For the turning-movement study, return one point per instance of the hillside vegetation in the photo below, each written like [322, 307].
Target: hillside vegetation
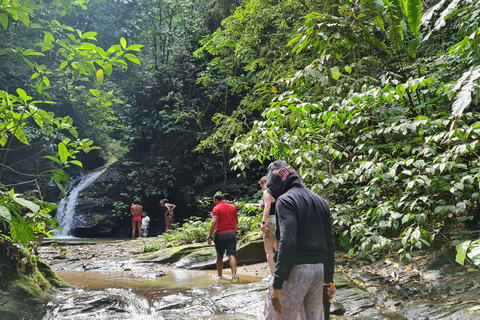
[374, 102]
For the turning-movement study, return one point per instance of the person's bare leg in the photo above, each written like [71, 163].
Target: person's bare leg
[139, 227]
[269, 245]
[233, 264]
[134, 225]
[219, 265]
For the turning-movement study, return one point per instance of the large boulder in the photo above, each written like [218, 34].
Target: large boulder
[201, 256]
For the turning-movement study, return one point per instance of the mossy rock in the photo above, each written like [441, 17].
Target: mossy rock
[25, 280]
[174, 254]
[202, 256]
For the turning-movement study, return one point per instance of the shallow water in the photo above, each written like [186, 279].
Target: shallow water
[140, 282]
[181, 294]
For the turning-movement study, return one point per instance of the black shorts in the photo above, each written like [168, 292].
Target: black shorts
[226, 241]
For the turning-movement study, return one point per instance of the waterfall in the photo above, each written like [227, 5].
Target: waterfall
[66, 206]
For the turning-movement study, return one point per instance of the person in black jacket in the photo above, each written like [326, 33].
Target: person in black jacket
[306, 250]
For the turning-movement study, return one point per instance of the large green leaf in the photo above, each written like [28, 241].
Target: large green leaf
[462, 249]
[4, 20]
[63, 152]
[22, 231]
[32, 206]
[5, 214]
[474, 253]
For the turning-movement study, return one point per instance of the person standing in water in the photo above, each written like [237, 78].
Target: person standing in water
[136, 210]
[169, 216]
[224, 222]
[145, 224]
[268, 227]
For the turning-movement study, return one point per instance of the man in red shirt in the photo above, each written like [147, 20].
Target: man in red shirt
[224, 221]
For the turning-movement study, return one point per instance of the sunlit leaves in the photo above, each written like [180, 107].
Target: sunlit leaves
[63, 152]
[89, 35]
[5, 214]
[135, 47]
[440, 22]
[100, 77]
[17, 11]
[132, 58]
[468, 248]
[465, 84]
[4, 20]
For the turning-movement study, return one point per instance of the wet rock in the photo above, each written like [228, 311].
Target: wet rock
[201, 256]
[3, 300]
[160, 274]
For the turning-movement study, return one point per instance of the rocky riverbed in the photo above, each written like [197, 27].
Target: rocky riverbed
[430, 286]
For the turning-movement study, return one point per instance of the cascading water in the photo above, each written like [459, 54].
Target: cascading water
[66, 207]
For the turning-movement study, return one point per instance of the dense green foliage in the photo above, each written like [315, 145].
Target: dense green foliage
[68, 69]
[375, 104]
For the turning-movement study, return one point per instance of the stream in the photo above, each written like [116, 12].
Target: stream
[106, 281]
[182, 294]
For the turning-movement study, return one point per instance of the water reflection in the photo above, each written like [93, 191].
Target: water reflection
[181, 294]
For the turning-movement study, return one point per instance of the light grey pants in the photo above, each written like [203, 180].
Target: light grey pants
[302, 295]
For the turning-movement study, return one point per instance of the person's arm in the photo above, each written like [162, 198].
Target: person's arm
[213, 226]
[286, 250]
[329, 264]
[148, 223]
[170, 208]
[267, 203]
[287, 245]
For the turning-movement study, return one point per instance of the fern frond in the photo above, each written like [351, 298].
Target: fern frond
[395, 31]
[414, 13]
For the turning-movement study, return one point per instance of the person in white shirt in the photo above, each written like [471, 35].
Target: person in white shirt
[145, 224]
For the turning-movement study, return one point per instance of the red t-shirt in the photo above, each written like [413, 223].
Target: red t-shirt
[227, 217]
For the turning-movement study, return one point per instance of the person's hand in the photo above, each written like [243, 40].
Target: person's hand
[277, 300]
[209, 241]
[331, 290]
[264, 228]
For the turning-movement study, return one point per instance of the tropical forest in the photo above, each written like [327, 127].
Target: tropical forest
[374, 103]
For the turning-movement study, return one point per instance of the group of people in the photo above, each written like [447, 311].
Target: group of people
[141, 221]
[298, 241]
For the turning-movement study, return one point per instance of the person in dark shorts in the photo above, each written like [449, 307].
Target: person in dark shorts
[224, 223]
